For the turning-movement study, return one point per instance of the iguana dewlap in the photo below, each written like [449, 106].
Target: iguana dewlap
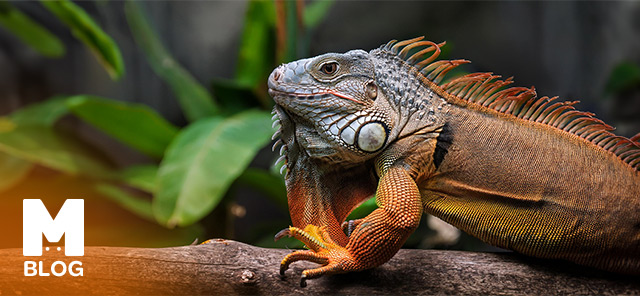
[524, 173]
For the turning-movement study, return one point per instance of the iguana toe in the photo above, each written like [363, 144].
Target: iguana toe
[333, 257]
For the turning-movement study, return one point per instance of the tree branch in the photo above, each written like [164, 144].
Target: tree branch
[228, 267]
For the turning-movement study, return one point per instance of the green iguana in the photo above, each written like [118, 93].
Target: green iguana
[519, 172]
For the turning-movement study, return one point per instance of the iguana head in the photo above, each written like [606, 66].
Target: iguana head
[337, 113]
[333, 99]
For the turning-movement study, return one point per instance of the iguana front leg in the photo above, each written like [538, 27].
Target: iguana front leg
[376, 238]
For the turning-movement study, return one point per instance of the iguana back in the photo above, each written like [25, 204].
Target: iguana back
[520, 172]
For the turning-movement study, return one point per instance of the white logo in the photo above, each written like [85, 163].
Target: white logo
[37, 221]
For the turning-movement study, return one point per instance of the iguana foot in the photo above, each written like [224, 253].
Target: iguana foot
[333, 257]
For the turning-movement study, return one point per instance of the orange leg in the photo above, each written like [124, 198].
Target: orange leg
[375, 239]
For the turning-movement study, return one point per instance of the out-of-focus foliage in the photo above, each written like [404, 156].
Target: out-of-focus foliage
[202, 162]
[314, 13]
[142, 177]
[29, 134]
[195, 100]
[86, 30]
[269, 183]
[13, 169]
[624, 76]
[192, 168]
[134, 204]
[136, 125]
[30, 32]
[256, 54]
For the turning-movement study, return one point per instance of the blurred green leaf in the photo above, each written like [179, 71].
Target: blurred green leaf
[44, 113]
[291, 41]
[30, 32]
[134, 204]
[142, 177]
[234, 97]
[256, 55]
[44, 146]
[86, 30]
[623, 77]
[363, 209]
[196, 102]
[203, 160]
[315, 12]
[272, 186]
[12, 170]
[133, 124]
[28, 134]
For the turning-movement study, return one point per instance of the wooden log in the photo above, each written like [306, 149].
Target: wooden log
[229, 267]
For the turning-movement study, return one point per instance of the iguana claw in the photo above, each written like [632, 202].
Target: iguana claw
[281, 234]
[323, 250]
[349, 226]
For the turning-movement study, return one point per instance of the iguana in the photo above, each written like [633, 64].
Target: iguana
[519, 172]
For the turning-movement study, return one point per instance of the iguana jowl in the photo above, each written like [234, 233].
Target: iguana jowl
[524, 173]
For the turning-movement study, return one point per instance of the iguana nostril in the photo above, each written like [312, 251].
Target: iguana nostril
[275, 78]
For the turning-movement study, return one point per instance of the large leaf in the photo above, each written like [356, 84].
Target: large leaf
[30, 32]
[256, 55]
[44, 146]
[142, 177]
[86, 30]
[202, 161]
[136, 205]
[27, 136]
[12, 170]
[133, 124]
[196, 102]
[44, 113]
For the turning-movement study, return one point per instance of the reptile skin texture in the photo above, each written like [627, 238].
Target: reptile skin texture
[521, 172]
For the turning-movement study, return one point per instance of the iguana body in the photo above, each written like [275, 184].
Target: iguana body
[517, 171]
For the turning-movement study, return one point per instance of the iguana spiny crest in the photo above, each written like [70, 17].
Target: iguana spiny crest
[362, 101]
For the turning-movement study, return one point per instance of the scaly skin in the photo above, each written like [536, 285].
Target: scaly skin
[517, 171]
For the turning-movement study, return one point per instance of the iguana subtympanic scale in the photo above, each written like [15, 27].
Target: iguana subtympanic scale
[520, 172]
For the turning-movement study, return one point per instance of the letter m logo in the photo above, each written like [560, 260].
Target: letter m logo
[36, 221]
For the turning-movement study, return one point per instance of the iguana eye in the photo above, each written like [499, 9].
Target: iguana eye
[329, 68]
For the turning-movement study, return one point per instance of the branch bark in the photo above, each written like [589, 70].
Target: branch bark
[229, 267]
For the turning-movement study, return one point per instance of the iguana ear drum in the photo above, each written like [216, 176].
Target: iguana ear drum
[372, 90]
[372, 136]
